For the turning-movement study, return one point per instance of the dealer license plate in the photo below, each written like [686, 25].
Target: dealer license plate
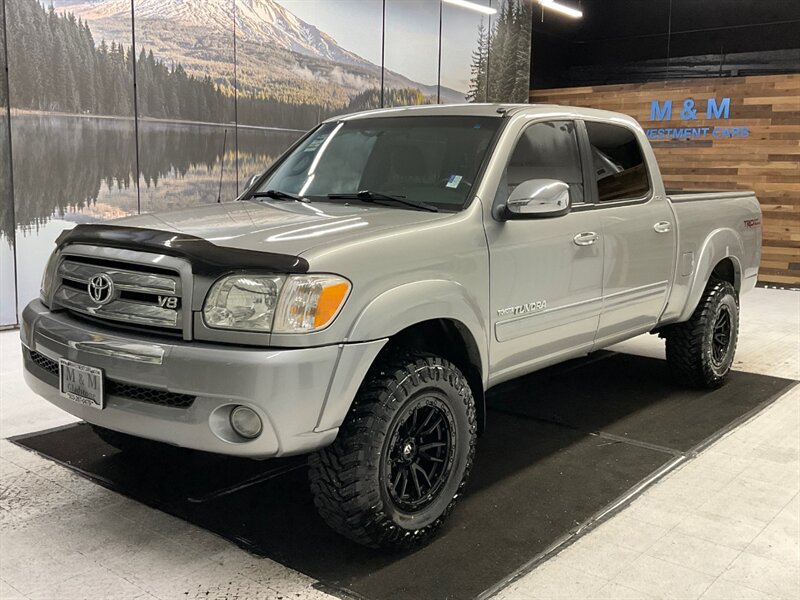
[81, 383]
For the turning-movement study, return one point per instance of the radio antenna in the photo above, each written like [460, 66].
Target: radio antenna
[222, 165]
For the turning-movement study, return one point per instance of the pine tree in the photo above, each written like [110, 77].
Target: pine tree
[508, 72]
[478, 69]
[522, 54]
[508, 50]
[56, 91]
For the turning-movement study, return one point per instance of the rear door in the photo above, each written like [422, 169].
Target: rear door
[638, 230]
[546, 274]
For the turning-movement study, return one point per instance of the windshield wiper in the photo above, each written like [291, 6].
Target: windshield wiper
[370, 196]
[277, 195]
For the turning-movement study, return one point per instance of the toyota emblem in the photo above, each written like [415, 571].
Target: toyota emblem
[101, 288]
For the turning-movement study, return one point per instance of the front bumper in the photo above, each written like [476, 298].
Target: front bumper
[301, 395]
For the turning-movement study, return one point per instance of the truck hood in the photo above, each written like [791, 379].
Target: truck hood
[282, 227]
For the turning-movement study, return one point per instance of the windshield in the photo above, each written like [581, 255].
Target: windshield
[432, 160]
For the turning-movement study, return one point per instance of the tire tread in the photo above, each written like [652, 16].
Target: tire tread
[338, 473]
[684, 341]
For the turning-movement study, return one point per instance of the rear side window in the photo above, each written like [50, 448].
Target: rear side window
[618, 162]
[548, 150]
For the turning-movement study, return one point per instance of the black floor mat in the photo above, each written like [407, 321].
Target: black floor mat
[561, 445]
[633, 397]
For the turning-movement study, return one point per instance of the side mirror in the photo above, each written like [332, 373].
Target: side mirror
[252, 181]
[537, 199]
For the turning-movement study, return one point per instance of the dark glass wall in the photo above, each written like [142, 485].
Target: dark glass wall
[619, 41]
[223, 87]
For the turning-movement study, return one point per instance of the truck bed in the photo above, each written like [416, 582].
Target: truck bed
[712, 226]
[675, 195]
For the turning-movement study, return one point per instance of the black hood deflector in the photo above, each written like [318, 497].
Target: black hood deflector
[206, 258]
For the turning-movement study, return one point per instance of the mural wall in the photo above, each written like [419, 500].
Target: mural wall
[222, 87]
[8, 301]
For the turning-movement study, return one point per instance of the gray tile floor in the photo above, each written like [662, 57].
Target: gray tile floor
[725, 525]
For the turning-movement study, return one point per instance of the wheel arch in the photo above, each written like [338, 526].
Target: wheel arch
[720, 257]
[452, 340]
[728, 270]
[439, 316]
[415, 303]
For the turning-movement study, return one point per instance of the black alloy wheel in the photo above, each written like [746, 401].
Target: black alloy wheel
[420, 455]
[721, 341]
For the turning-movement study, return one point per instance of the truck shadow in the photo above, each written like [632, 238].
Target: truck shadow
[561, 444]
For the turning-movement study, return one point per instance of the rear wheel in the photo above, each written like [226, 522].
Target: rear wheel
[402, 456]
[700, 351]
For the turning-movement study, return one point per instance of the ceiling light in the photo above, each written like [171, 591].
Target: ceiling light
[472, 6]
[560, 8]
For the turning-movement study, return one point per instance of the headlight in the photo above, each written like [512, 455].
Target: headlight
[242, 302]
[294, 304]
[47, 278]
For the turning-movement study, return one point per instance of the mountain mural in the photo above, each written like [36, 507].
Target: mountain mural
[260, 21]
[279, 56]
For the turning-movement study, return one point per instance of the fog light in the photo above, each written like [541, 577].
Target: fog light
[245, 422]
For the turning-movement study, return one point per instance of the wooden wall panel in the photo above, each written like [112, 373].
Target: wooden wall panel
[768, 161]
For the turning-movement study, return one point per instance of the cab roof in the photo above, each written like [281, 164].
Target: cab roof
[497, 110]
[458, 110]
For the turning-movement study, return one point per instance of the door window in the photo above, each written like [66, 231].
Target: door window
[619, 166]
[548, 150]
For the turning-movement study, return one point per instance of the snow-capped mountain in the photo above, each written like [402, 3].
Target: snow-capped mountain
[260, 21]
[197, 33]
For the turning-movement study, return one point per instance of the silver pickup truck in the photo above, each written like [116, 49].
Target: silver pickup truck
[357, 301]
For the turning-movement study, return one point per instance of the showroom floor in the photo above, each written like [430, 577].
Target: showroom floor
[725, 524]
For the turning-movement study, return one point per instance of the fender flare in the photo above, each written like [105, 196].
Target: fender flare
[411, 303]
[720, 244]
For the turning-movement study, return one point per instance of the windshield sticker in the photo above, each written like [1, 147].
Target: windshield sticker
[453, 181]
[316, 143]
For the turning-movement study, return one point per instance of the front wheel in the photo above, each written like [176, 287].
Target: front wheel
[700, 351]
[402, 456]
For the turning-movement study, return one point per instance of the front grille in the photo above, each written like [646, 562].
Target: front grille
[124, 390]
[48, 364]
[126, 327]
[144, 394]
[124, 293]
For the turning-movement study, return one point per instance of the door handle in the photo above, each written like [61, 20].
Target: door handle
[663, 227]
[587, 238]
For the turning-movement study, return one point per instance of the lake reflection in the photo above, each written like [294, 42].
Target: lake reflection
[70, 170]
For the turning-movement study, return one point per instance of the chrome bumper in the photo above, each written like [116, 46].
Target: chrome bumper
[301, 395]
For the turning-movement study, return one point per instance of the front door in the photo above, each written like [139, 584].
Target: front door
[546, 274]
